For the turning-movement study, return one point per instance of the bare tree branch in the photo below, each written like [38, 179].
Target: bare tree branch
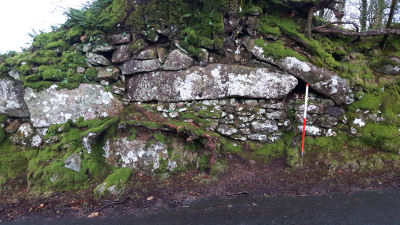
[337, 22]
[359, 34]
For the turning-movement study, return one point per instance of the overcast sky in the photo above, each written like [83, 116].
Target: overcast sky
[19, 17]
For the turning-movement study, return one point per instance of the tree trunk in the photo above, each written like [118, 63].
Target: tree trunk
[309, 22]
[363, 16]
[389, 22]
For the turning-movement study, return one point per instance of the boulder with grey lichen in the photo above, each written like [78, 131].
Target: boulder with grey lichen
[12, 98]
[321, 80]
[122, 152]
[215, 81]
[52, 106]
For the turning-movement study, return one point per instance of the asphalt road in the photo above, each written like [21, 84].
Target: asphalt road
[364, 207]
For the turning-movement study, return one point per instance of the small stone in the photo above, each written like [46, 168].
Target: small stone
[226, 130]
[147, 54]
[274, 137]
[13, 127]
[172, 106]
[251, 102]
[182, 109]
[174, 114]
[334, 111]
[327, 121]
[265, 126]
[150, 198]
[12, 98]
[118, 89]
[276, 115]
[310, 130]
[180, 105]
[103, 47]
[204, 57]
[160, 108]
[104, 83]
[23, 135]
[121, 54]
[162, 54]
[109, 73]
[237, 58]
[353, 130]
[258, 137]
[14, 74]
[80, 69]
[359, 122]
[73, 162]
[120, 38]
[83, 38]
[97, 59]
[261, 111]
[87, 47]
[89, 141]
[177, 60]
[137, 66]
[213, 126]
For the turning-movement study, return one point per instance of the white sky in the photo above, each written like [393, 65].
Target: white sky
[19, 17]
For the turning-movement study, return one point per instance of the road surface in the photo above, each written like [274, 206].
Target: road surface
[363, 207]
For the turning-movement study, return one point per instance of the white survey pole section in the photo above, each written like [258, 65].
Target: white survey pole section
[305, 103]
[304, 121]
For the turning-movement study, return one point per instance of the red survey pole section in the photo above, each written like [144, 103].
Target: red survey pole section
[304, 121]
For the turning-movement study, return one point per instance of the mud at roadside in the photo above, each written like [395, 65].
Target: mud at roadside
[150, 194]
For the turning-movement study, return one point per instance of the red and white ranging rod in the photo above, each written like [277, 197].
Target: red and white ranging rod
[304, 121]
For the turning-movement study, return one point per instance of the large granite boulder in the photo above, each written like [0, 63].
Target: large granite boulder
[138, 66]
[52, 106]
[321, 80]
[135, 154]
[177, 60]
[215, 81]
[12, 98]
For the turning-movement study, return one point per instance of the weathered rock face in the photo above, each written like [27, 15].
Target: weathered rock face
[12, 99]
[321, 80]
[53, 106]
[215, 81]
[138, 66]
[135, 154]
[177, 60]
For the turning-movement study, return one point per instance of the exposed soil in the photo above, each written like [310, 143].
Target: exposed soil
[149, 194]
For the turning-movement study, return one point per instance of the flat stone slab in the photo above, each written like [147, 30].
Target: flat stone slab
[215, 81]
[12, 98]
[52, 106]
[321, 80]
